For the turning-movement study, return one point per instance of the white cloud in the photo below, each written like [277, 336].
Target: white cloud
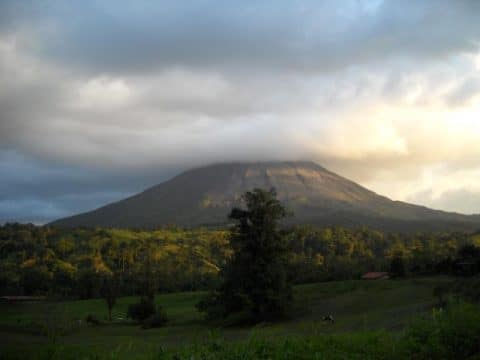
[357, 136]
[102, 93]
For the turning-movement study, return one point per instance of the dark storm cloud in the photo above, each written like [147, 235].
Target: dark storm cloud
[37, 191]
[308, 35]
[304, 35]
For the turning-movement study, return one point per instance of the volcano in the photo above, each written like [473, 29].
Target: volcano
[204, 196]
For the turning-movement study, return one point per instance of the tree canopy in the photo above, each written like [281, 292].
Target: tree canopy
[255, 280]
[69, 263]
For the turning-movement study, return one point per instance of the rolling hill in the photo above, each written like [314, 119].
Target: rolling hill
[204, 196]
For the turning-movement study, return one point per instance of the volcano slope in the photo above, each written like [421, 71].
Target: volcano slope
[204, 196]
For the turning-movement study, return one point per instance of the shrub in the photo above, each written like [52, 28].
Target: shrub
[52, 321]
[468, 288]
[142, 310]
[453, 333]
[212, 306]
[397, 266]
[156, 320]
[92, 319]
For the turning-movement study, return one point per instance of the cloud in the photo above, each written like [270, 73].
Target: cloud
[100, 100]
[38, 191]
[306, 35]
[465, 92]
[462, 201]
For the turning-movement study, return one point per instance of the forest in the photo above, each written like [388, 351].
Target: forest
[69, 263]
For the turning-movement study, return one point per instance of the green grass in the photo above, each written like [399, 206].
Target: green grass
[357, 306]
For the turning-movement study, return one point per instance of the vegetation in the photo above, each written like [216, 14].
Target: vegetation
[142, 310]
[252, 265]
[397, 266]
[255, 280]
[70, 263]
[374, 320]
[109, 292]
[157, 319]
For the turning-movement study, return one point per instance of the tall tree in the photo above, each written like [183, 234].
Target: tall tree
[148, 278]
[109, 291]
[397, 266]
[255, 279]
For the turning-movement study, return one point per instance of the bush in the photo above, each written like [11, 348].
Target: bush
[468, 288]
[450, 333]
[52, 321]
[142, 310]
[212, 306]
[156, 320]
[92, 319]
[397, 266]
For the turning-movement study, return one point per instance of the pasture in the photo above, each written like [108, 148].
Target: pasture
[357, 306]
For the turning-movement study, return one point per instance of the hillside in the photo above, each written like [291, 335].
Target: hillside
[204, 196]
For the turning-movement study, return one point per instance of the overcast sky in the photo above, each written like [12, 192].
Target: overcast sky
[100, 99]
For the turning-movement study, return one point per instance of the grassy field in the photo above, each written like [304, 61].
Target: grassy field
[357, 306]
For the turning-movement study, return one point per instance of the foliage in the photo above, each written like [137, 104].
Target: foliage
[440, 292]
[158, 319]
[450, 333]
[469, 251]
[453, 333]
[141, 310]
[69, 263]
[361, 309]
[53, 322]
[255, 279]
[109, 292]
[92, 320]
[468, 288]
[397, 266]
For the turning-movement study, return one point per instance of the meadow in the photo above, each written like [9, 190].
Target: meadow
[365, 312]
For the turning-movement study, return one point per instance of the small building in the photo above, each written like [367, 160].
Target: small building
[376, 275]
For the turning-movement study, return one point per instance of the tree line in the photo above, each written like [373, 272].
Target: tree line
[73, 263]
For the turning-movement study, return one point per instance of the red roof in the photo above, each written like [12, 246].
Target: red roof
[375, 275]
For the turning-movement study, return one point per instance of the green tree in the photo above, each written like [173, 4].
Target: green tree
[469, 251]
[397, 266]
[148, 282]
[109, 291]
[255, 280]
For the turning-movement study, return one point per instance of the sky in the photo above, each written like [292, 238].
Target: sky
[101, 99]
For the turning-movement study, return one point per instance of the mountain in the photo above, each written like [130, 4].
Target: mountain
[204, 196]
